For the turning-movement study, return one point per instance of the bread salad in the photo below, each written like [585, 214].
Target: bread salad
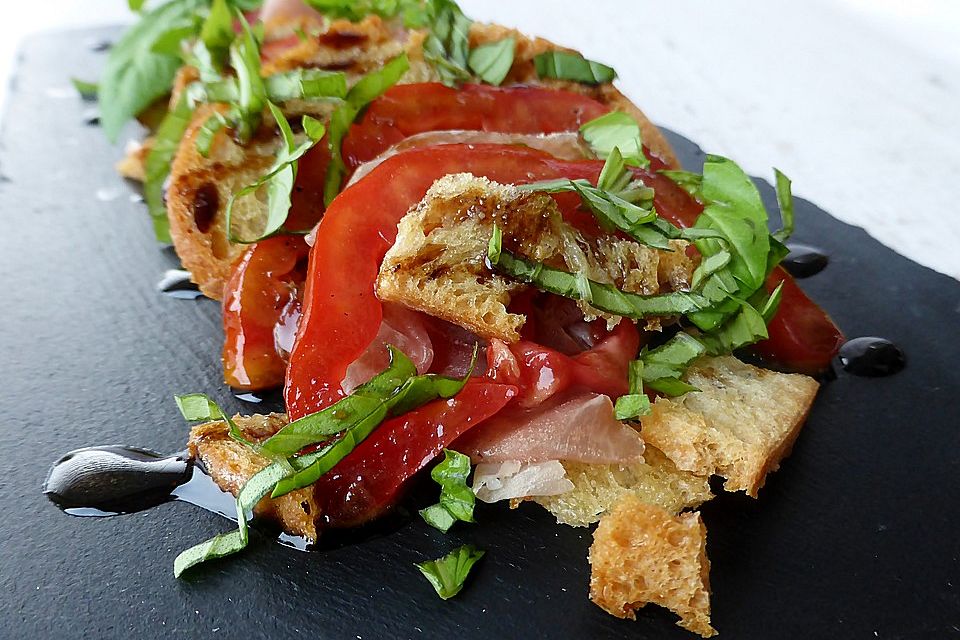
[462, 252]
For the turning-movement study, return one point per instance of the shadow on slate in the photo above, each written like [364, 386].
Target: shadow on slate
[856, 535]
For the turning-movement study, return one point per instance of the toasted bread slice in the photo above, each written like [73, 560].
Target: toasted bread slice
[355, 48]
[597, 487]
[231, 464]
[437, 263]
[641, 554]
[740, 425]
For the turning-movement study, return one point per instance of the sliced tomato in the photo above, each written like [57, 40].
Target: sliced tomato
[540, 372]
[409, 109]
[371, 477]
[261, 297]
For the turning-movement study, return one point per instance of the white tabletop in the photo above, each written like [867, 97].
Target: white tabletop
[857, 100]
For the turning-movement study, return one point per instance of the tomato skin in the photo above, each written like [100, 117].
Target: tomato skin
[409, 109]
[260, 295]
[370, 478]
[803, 338]
[540, 372]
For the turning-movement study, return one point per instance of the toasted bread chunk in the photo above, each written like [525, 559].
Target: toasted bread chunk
[437, 263]
[597, 487]
[355, 49]
[740, 425]
[641, 553]
[231, 464]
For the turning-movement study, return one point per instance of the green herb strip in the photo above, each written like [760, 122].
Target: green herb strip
[448, 574]
[616, 130]
[279, 179]
[565, 65]
[602, 296]
[157, 165]
[456, 498]
[492, 62]
[367, 89]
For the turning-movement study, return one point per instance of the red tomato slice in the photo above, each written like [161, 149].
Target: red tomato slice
[409, 109]
[341, 313]
[261, 295]
[371, 477]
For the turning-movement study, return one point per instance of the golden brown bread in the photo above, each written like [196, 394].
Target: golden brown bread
[231, 464]
[437, 263]
[597, 487]
[740, 425]
[643, 554]
[355, 48]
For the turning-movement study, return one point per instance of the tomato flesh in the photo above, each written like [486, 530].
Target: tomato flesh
[372, 476]
[409, 109]
[261, 295]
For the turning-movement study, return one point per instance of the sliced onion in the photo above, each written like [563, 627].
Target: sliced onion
[495, 481]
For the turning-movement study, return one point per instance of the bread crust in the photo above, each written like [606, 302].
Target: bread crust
[355, 49]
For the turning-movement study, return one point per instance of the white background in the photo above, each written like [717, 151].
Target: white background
[857, 100]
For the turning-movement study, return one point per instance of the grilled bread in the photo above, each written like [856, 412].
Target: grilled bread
[354, 48]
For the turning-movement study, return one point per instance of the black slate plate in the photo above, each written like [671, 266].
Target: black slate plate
[856, 536]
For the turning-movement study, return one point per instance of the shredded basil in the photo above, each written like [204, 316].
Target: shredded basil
[456, 498]
[602, 296]
[686, 180]
[492, 62]
[252, 94]
[447, 46]
[785, 201]
[196, 407]
[635, 403]
[135, 75]
[280, 178]
[448, 574]
[157, 165]
[565, 65]
[367, 89]
[664, 366]
[616, 130]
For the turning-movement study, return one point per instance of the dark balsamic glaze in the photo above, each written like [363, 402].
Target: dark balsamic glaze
[176, 284]
[113, 480]
[872, 357]
[99, 46]
[267, 397]
[804, 261]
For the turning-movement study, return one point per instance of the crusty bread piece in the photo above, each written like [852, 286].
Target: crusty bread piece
[231, 464]
[740, 425]
[641, 553]
[437, 264]
[355, 48]
[597, 487]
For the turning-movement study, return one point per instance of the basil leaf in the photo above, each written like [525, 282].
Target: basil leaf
[367, 89]
[492, 62]
[197, 407]
[304, 84]
[366, 399]
[134, 75]
[604, 297]
[785, 202]
[279, 179]
[663, 366]
[566, 65]
[355, 10]
[170, 42]
[447, 47]
[157, 165]
[415, 392]
[687, 180]
[208, 131]
[224, 544]
[87, 90]
[744, 327]
[456, 498]
[252, 98]
[616, 130]
[449, 573]
[635, 403]
[217, 32]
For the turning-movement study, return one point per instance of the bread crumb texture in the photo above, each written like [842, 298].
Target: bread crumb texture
[597, 487]
[740, 425]
[642, 554]
[437, 264]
